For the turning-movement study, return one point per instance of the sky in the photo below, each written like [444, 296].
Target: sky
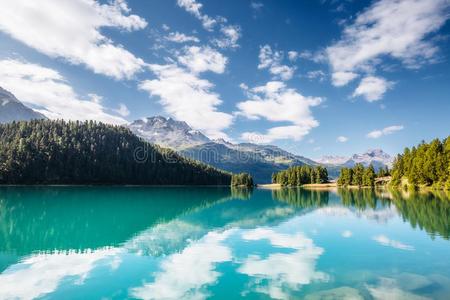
[316, 78]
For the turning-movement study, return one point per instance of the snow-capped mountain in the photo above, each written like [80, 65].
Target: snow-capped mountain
[12, 109]
[376, 157]
[259, 160]
[168, 132]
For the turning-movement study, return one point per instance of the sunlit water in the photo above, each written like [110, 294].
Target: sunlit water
[196, 243]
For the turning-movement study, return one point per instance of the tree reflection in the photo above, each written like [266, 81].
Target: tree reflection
[302, 198]
[429, 211]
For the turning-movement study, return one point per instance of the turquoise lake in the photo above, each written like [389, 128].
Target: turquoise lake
[222, 243]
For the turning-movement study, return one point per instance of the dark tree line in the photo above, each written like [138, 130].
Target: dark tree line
[299, 175]
[59, 152]
[242, 179]
[359, 176]
[428, 164]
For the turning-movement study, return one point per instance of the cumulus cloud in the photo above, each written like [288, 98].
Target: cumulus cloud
[272, 60]
[396, 28]
[49, 92]
[372, 88]
[231, 35]
[385, 131]
[385, 241]
[122, 110]
[193, 7]
[277, 103]
[399, 29]
[292, 55]
[342, 139]
[177, 37]
[342, 78]
[189, 98]
[316, 74]
[201, 59]
[71, 30]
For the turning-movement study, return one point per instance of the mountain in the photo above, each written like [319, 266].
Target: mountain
[258, 160]
[377, 157]
[236, 160]
[59, 152]
[12, 109]
[168, 132]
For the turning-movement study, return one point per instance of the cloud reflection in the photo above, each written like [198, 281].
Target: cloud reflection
[41, 274]
[184, 274]
[385, 241]
[282, 271]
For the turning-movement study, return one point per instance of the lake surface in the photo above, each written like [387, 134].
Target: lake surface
[197, 243]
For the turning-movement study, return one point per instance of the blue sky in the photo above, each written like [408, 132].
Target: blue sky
[314, 77]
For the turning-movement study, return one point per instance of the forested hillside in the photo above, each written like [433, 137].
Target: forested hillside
[428, 164]
[59, 152]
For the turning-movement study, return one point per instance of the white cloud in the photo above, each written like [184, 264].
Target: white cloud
[385, 131]
[201, 59]
[123, 110]
[316, 74]
[283, 272]
[385, 241]
[48, 91]
[342, 78]
[399, 29]
[194, 8]
[292, 55]
[178, 37]
[256, 5]
[342, 139]
[372, 88]
[277, 103]
[184, 274]
[231, 33]
[347, 234]
[189, 98]
[72, 30]
[269, 59]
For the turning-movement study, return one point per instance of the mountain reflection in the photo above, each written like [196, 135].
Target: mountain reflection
[178, 243]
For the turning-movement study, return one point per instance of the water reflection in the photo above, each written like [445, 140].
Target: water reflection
[58, 218]
[178, 243]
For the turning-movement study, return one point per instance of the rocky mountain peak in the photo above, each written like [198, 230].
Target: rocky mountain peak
[168, 132]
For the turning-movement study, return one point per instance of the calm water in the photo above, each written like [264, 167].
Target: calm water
[196, 243]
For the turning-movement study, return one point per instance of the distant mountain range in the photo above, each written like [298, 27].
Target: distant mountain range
[259, 160]
[12, 109]
[376, 157]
